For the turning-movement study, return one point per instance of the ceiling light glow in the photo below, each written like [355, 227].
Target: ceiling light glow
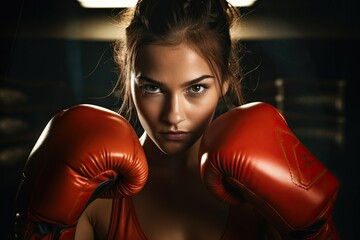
[131, 3]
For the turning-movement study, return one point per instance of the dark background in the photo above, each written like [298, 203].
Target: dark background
[301, 56]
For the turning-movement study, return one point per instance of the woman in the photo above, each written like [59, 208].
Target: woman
[178, 62]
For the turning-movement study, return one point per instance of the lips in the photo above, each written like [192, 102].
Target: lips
[175, 135]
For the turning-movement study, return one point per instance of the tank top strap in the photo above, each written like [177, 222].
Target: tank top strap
[124, 223]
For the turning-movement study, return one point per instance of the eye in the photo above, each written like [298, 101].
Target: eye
[151, 89]
[197, 89]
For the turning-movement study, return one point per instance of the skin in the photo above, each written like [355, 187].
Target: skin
[174, 90]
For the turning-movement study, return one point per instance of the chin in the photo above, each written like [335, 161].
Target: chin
[173, 149]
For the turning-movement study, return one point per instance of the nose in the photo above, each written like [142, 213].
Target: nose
[173, 112]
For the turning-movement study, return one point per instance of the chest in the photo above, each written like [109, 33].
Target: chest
[174, 208]
[179, 208]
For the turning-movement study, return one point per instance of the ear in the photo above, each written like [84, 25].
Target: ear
[225, 87]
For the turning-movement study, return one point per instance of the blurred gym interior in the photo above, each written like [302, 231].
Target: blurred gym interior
[300, 56]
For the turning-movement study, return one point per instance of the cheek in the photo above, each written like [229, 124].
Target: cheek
[147, 110]
[203, 114]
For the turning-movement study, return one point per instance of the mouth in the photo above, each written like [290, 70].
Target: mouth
[175, 135]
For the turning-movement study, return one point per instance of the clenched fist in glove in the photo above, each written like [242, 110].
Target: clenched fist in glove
[84, 152]
[250, 154]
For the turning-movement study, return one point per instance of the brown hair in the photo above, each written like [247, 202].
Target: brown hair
[202, 24]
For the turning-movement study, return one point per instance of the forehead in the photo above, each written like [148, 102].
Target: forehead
[162, 62]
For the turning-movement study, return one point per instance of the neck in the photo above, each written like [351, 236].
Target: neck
[186, 161]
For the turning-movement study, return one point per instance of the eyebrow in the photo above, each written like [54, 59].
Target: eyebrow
[188, 83]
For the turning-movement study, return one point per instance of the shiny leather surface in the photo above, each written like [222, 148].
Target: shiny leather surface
[84, 152]
[250, 153]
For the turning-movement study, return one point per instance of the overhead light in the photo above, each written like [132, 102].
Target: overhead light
[131, 3]
[107, 3]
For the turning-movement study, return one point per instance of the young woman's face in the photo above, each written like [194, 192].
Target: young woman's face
[175, 94]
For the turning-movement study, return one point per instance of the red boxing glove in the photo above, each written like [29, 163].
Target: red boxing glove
[250, 154]
[84, 152]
